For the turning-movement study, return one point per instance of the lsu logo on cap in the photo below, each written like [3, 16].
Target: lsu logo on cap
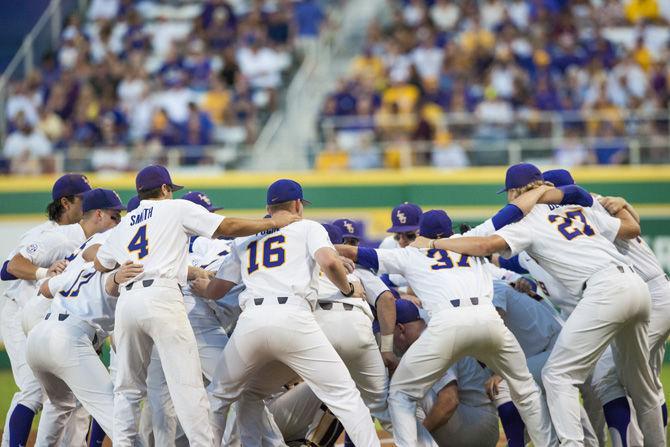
[401, 217]
[205, 199]
[349, 226]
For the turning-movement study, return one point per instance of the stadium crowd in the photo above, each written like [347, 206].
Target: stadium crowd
[449, 83]
[149, 75]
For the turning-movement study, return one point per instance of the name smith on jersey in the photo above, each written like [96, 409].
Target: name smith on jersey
[142, 216]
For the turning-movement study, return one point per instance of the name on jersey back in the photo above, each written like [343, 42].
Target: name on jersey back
[141, 216]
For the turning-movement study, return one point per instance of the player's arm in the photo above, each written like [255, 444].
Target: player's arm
[217, 288]
[238, 227]
[615, 204]
[386, 314]
[444, 408]
[4, 273]
[125, 273]
[90, 252]
[197, 272]
[329, 261]
[102, 268]
[473, 246]
[44, 289]
[566, 195]
[23, 268]
[630, 228]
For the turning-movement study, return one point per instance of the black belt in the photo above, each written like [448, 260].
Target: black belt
[145, 283]
[329, 306]
[280, 300]
[620, 268]
[456, 303]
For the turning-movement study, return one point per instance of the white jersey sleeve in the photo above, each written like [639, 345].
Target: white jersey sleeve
[317, 237]
[109, 254]
[372, 284]
[53, 245]
[606, 223]
[392, 260]
[197, 220]
[230, 269]
[485, 228]
[519, 237]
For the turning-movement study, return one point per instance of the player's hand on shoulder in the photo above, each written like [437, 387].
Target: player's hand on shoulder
[612, 204]
[413, 298]
[128, 272]
[199, 285]
[348, 264]
[421, 242]
[57, 267]
[491, 386]
[391, 361]
[523, 285]
[282, 219]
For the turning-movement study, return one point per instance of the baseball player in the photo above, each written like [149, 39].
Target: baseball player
[351, 231]
[81, 317]
[404, 227]
[457, 292]
[150, 310]
[457, 410]
[573, 244]
[206, 254]
[64, 209]
[646, 265]
[277, 324]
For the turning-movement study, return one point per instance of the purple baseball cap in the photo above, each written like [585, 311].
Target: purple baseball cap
[133, 203]
[70, 185]
[334, 233]
[520, 175]
[435, 224]
[152, 177]
[559, 177]
[406, 312]
[405, 217]
[202, 199]
[101, 199]
[349, 228]
[285, 190]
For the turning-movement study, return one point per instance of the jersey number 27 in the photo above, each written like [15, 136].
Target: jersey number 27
[139, 242]
[567, 226]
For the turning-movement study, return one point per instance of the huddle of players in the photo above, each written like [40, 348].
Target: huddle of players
[299, 311]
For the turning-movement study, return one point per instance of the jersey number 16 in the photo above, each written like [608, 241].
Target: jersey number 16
[272, 256]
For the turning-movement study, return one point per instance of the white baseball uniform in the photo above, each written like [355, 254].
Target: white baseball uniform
[209, 335]
[277, 324]
[81, 317]
[573, 244]
[456, 291]
[475, 422]
[347, 323]
[150, 311]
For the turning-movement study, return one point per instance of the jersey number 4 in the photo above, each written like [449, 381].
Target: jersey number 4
[139, 242]
[567, 225]
[272, 256]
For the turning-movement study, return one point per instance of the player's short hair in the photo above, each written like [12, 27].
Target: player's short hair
[532, 185]
[153, 193]
[284, 206]
[56, 209]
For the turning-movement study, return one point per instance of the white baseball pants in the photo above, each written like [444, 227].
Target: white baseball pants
[72, 371]
[615, 307]
[477, 331]
[350, 333]
[211, 339]
[288, 333]
[155, 316]
[659, 323]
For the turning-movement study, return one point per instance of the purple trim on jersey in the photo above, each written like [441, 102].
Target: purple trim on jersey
[512, 264]
[575, 195]
[4, 273]
[510, 213]
[367, 257]
[386, 279]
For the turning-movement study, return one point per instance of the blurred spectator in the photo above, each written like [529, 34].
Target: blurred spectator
[610, 148]
[445, 14]
[642, 10]
[571, 152]
[332, 158]
[103, 9]
[309, 17]
[27, 148]
[448, 153]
